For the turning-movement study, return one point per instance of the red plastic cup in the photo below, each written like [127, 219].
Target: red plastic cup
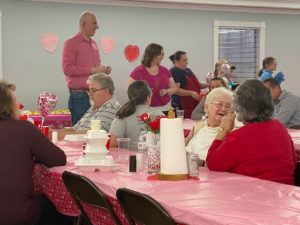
[45, 131]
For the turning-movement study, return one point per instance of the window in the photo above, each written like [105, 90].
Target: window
[242, 44]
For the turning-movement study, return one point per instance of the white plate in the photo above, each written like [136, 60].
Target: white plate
[92, 168]
[90, 165]
[74, 137]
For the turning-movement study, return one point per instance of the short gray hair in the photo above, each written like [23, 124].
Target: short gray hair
[217, 93]
[253, 102]
[85, 16]
[104, 80]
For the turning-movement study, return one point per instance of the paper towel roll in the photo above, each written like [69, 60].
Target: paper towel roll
[173, 155]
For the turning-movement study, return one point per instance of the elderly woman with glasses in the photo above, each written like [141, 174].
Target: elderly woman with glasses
[217, 105]
[262, 148]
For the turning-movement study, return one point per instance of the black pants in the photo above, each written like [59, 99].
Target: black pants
[49, 214]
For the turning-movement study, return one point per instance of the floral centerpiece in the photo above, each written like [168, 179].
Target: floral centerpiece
[153, 126]
[153, 138]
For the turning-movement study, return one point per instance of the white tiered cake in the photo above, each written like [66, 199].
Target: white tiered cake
[96, 141]
[96, 152]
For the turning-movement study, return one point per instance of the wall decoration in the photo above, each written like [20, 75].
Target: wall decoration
[131, 52]
[107, 44]
[49, 41]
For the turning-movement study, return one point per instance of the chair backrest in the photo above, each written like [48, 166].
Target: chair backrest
[142, 208]
[297, 174]
[296, 127]
[84, 190]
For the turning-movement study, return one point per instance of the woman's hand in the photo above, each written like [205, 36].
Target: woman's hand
[195, 95]
[227, 122]
[163, 92]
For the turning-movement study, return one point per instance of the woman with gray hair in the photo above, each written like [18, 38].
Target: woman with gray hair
[217, 105]
[262, 148]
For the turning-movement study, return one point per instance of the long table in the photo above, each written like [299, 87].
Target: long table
[55, 121]
[216, 198]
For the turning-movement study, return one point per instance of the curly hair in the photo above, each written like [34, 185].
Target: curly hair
[253, 102]
[217, 93]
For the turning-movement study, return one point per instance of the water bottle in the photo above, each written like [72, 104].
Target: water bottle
[143, 149]
[142, 142]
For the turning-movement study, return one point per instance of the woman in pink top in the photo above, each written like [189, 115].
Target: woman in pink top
[158, 77]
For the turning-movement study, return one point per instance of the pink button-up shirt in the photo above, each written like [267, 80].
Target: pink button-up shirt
[78, 57]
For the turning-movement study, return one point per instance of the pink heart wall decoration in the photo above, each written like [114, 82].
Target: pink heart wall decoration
[49, 41]
[131, 52]
[107, 44]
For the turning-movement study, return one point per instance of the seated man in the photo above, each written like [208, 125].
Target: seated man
[287, 105]
[103, 105]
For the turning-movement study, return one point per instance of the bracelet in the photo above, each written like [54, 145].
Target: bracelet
[223, 130]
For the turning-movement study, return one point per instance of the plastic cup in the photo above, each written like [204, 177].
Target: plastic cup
[54, 137]
[180, 113]
[45, 130]
[123, 146]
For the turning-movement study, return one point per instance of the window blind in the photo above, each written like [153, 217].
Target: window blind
[241, 48]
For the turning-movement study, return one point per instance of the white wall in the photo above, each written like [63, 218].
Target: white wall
[34, 70]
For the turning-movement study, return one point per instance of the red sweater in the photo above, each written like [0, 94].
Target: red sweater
[263, 150]
[19, 141]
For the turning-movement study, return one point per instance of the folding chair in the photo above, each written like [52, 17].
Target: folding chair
[296, 127]
[297, 174]
[83, 190]
[142, 208]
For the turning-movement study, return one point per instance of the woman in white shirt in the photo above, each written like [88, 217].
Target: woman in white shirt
[217, 105]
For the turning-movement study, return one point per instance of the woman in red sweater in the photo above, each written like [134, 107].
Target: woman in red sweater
[262, 148]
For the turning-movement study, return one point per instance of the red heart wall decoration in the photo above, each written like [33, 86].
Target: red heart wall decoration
[131, 52]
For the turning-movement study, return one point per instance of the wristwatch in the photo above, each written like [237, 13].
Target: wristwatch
[223, 130]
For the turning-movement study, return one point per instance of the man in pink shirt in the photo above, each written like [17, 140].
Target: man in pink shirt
[80, 59]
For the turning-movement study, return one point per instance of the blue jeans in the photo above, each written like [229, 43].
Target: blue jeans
[78, 105]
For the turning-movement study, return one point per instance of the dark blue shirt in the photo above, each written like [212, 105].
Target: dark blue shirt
[179, 77]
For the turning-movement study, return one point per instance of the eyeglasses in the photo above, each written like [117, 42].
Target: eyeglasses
[94, 90]
[219, 105]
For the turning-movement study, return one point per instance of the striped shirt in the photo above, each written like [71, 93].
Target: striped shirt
[105, 113]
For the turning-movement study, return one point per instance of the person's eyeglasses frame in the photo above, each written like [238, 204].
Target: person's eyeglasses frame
[94, 90]
[219, 105]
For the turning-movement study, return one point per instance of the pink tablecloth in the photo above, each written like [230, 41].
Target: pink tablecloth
[55, 121]
[217, 198]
